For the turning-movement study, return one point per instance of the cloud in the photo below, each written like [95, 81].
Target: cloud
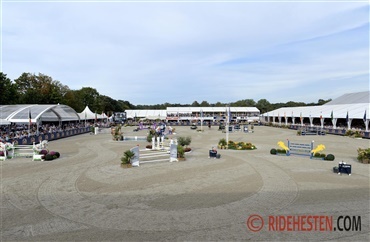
[160, 52]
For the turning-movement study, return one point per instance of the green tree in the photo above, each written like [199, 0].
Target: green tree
[264, 106]
[27, 89]
[322, 101]
[204, 104]
[244, 103]
[195, 104]
[125, 105]
[8, 90]
[108, 105]
[40, 89]
[89, 97]
[71, 98]
[219, 104]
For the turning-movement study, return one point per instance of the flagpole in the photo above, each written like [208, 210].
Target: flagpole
[201, 120]
[365, 121]
[201, 124]
[29, 120]
[227, 125]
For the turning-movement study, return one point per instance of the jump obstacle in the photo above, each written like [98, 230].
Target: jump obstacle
[304, 149]
[9, 150]
[312, 131]
[149, 156]
[136, 138]
[300, 149]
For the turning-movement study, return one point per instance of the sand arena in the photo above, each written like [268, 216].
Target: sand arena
[86, 195]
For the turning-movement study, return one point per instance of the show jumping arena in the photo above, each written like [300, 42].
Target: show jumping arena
[86, 195]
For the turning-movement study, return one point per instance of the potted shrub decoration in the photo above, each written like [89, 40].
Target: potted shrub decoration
[236, 145]
[222, 143]
[363, 155]
[180, 153]
[117, 134]
[128, 155]
[273, 151]
[184, 141]
[49, 155]
[281, 152]
[330, 157]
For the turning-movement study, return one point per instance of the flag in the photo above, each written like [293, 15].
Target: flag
[347, 119]
[365, 117]
[320, 115]
[301, 117]
[229, 115]
[85, 115]
[201, 113]
[29, 117]
[284, 115]
[332, 115]
[96, 117]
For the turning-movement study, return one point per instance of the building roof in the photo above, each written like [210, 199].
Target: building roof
[175, 110]
[162, 114]
[144, 113]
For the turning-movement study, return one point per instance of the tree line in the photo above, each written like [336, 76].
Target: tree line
[42, 89]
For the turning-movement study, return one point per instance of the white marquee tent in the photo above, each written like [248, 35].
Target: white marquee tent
[87, 114]
[348, 106]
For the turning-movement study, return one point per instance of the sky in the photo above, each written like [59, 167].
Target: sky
[152, 52]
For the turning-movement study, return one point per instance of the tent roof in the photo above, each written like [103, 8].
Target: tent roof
[351, 98]
[4, 122]
[44, 112]
[355, 104]
[88, 114]
[355, 111]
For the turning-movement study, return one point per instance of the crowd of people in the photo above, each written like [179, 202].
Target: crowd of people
[20, 131]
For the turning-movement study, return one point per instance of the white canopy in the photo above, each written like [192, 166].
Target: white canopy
[355, 105]
[4, 122]
[355, 111]
[88, 114]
